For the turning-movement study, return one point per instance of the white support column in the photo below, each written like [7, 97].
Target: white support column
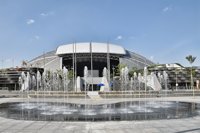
[61, 62]
[108, 65]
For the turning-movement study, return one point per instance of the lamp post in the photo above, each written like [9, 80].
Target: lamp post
[73, 79]
[176, 81]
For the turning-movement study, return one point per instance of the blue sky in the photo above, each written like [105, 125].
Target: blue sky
[164, 31]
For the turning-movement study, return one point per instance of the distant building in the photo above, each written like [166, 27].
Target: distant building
[178, 76]
[9, 77]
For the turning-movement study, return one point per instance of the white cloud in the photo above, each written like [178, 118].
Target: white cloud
[167, 8]
[43, 14]
[151, 58]
[30, 21]
[37, 37]
[119, 37]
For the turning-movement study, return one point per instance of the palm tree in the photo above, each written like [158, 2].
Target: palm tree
[191, 59]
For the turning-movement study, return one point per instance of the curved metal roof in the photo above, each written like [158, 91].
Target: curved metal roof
[131, 59]
[85, 48]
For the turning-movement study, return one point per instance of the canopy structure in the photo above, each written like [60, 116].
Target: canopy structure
[90, 47]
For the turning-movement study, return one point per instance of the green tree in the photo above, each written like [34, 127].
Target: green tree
[118, 68]
[131, 72]
[70, 74]
[191, 60]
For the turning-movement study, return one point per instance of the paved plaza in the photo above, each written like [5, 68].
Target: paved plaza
[186, 125]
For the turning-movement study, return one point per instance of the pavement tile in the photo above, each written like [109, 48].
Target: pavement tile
[48, 131]
[10, 131]
[115, 131]
[7, 126]
[35, 126]
[167, 130]
[151, 130]
[63, 131]
[82, 131]
[98, 131]
[21, 125]
[98, 126]
[27, 131]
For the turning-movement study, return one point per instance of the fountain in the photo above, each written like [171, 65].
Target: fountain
[65, 82]
[143, 110]
[105, 85]
[59, 106]
[165, 76]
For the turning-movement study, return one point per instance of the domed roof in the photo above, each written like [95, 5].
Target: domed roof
[85, 48]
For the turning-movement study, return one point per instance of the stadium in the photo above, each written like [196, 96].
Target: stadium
[95, 56]
[83, 53]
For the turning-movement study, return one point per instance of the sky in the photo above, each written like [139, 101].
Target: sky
[164, 31]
